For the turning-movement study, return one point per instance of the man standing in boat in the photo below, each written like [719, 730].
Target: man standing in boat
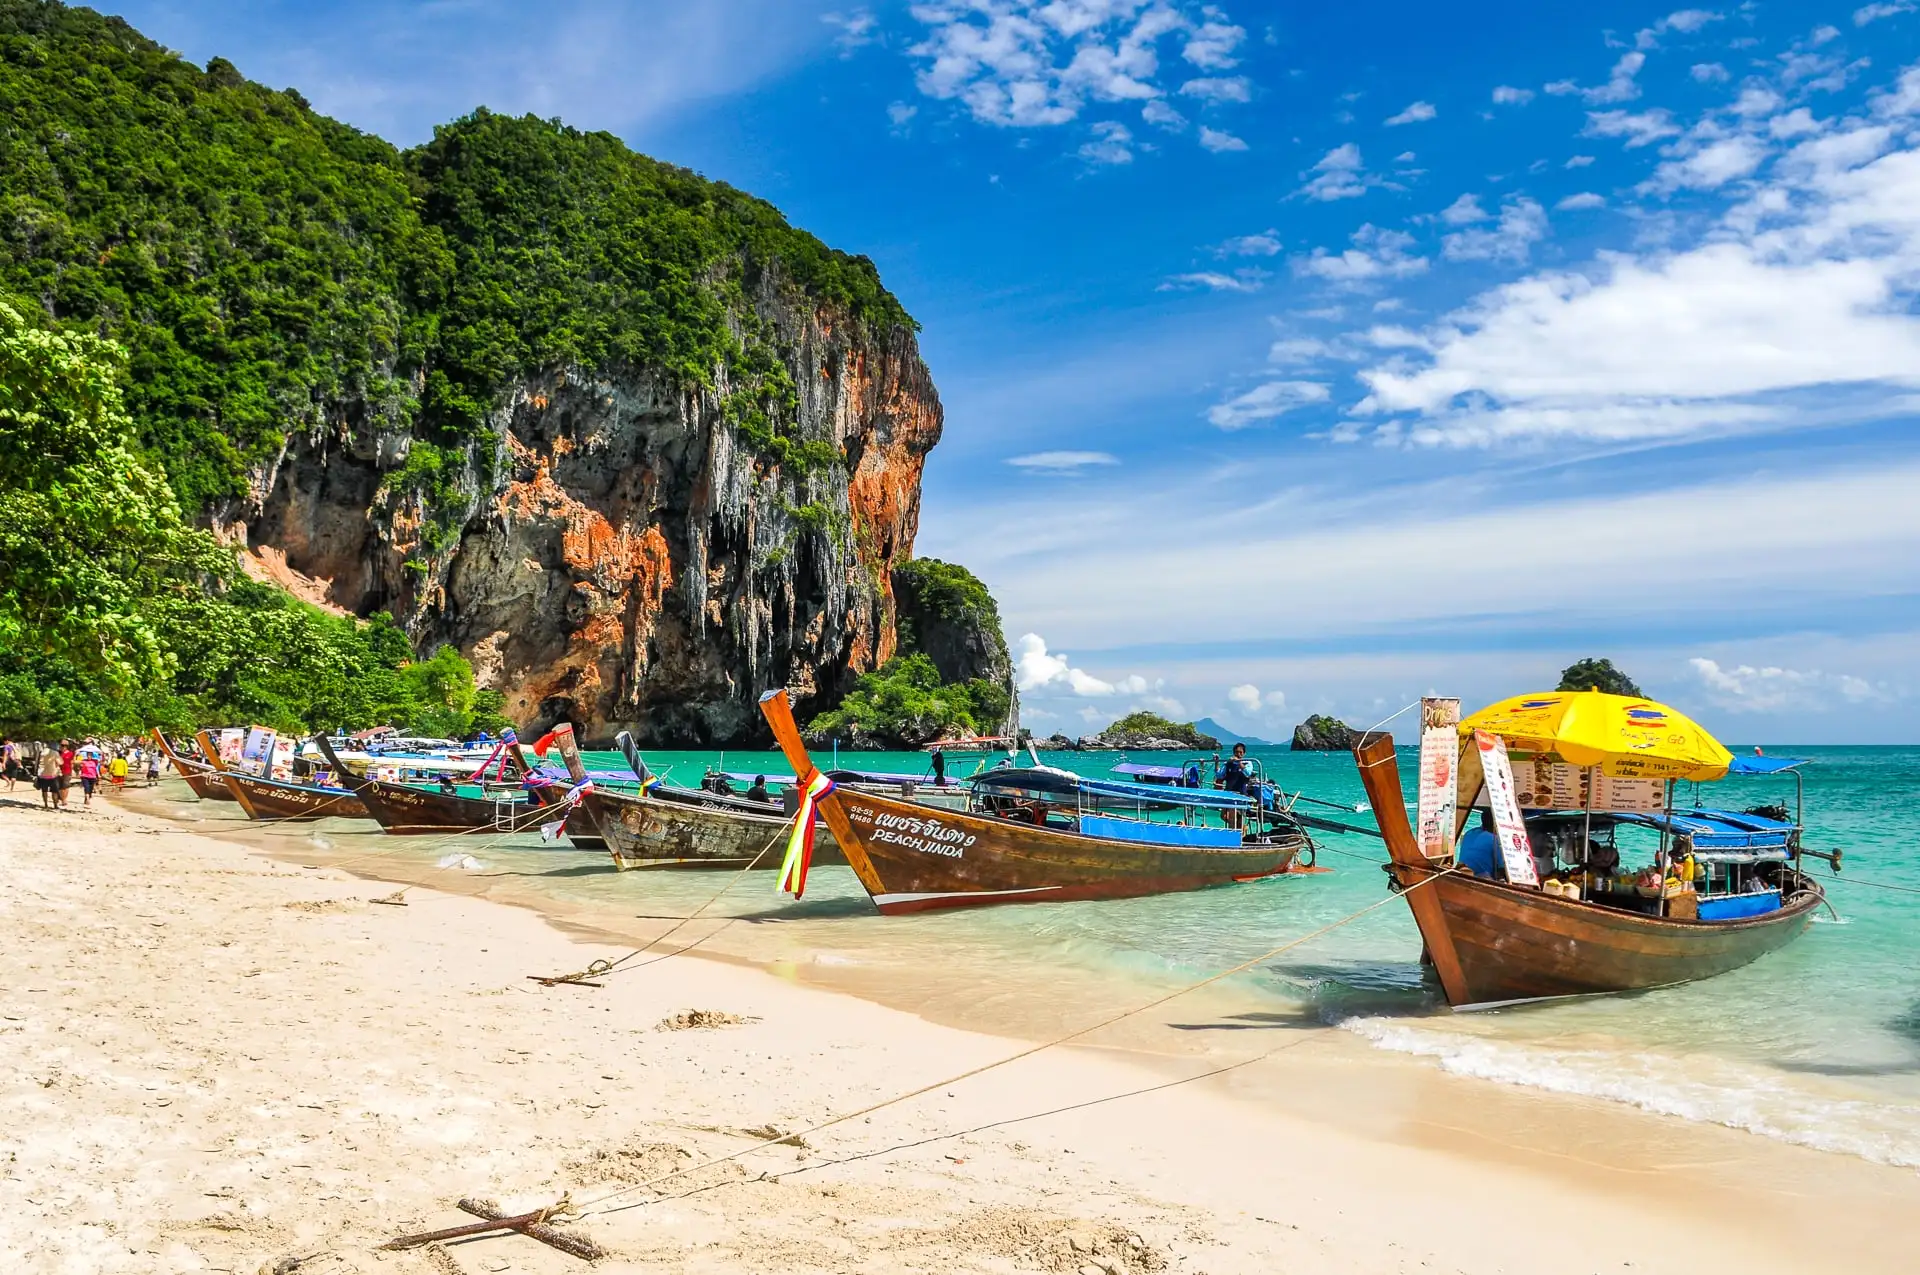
[1236, 777]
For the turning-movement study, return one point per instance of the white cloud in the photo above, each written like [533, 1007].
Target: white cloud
[1522, 224]
[1034, 669]
[1823, 34]
[1464, 211]
[1874, 12]
[1418, 113]
[856, 29]
[1339, 175]
[1685, 21]
[1212, 44]
[1710, 167]
[1795, 123]
[1639, 128]
[1160, 115]
[1232, 89]
[1037, 63]
[1111, 143]
[1767, 688]
[1507, 95]
[1248, 699]
[1264, 402]
[1709, 73]
[1621, 85]
[1578, 161]
[1217, 141]
[1068, 463]
[1244, 280]
[900, 113]
[1264, 244]
[1585, 199]
[1376, 254]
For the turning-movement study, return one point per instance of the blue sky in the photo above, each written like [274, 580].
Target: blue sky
[1309, 358]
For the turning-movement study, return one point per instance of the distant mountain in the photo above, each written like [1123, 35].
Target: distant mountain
[1226, 736]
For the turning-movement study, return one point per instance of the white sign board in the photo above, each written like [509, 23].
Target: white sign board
[1515, 850]
[1544, 783]
[1439, 757]
[259, 746]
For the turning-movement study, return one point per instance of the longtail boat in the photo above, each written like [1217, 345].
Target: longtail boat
[660, 826]
[1040, 835]
[276, 800]
[1727, 889]
[411, 810]
[203, 779]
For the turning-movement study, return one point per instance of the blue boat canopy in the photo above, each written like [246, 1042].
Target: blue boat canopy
[1764, 765]
[1710, 829]
[1052, 783]
[1141, 770]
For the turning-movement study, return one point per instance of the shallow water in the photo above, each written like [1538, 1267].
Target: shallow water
[1818, 1044]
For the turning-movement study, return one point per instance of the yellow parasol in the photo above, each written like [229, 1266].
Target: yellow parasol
[1625, 737]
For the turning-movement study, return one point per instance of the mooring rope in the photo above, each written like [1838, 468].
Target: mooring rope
[588, 1207]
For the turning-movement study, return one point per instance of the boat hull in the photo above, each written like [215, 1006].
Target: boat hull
[271, 799]
[406, 811]
[915, 858]
[643, 832]
[205, 781]
[1516, 944]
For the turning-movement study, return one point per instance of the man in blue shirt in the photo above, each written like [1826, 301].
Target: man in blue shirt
[1479, 850]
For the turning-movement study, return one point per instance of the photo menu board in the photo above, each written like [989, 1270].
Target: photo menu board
[1546, 783]
[1515, 850]
[1439, 756]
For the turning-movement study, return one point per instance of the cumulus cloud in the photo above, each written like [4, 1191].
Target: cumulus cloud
[1244, 280]
[1340, 174]
[1708, 73]
[1111, 143]
[1376, 254]
[1507, 95]
[856, 29]
[1264, 244]
[1160, 115]
[1463, 211]
[1767, 688]
[1522, 224]
[1037, 63]
[1585, 199]
[1418, 113]
[1216, 141]
[1062, 463]
[1034, 668]
[1807, 285]
[1231, 89]
[1266, 401]
[1874, 12]
[1248, 699]
[1641, 128]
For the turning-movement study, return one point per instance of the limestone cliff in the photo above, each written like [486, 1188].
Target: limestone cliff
[632, 563]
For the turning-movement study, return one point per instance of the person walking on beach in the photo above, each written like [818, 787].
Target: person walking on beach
[89, 766]
[66, 769]
[153, 767]
[117, 769]
[9, 761]
[49, 781]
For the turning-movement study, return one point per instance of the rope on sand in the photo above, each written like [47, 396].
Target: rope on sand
[588, 1208]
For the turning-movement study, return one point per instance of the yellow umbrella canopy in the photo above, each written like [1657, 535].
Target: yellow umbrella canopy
[1626, 737]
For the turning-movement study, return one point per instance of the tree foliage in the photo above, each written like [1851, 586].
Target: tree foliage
[1154, 726]
[1597, 675]
[115, 614]
[904, 704]
[272, 270]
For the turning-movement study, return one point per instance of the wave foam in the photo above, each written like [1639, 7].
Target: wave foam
[1706, 1091]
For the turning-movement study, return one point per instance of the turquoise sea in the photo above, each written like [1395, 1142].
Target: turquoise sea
[1818, 1044]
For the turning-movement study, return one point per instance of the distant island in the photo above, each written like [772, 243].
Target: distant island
[1211, 727]
[1323, 734]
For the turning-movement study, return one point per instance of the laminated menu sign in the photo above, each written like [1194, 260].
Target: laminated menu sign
[1613, 793]
[1439, 756]
[1515, 850]
[259, 745]
[1546, 783]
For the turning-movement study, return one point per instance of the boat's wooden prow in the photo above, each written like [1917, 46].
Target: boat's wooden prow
[1380, 774]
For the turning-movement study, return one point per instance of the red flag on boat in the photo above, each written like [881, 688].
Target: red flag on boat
[542, 744]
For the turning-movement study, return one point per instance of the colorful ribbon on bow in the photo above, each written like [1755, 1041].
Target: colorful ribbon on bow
[793, 869]
[552, 831]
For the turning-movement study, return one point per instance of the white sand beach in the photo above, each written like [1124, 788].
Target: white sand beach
[219, 1061]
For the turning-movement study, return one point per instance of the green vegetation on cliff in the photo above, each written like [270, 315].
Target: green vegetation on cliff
[271, 270]
[116, 614]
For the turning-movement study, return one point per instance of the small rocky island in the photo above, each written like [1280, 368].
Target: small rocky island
[1144, 732]
[1323, 734]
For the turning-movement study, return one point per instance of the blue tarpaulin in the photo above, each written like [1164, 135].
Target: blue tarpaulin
[1157, 834]
[1764, 765]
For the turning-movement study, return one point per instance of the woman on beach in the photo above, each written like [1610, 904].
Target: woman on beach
[9, 761]
[89, 777]
[117, 769]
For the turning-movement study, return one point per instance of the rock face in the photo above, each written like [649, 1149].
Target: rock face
[615, 556]
[944, 612]
[1322, 734]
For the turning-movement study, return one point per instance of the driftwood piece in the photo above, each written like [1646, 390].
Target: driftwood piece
[566, 1241]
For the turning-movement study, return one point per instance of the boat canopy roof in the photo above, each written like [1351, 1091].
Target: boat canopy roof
[1142, 770]
[1764, 765]
[1051, 783]
[1709, 829]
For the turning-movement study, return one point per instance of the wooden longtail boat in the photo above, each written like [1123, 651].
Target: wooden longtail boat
[274, 800]
[643, 830]
[914, 858]
[408, 810]
[1492, 942]
[203, 779]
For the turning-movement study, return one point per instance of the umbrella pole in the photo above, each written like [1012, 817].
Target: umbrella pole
[1586, 829]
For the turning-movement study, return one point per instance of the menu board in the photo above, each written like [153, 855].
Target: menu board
[259, 745]
[1515, 850]
[1545, 783]
[1439, 756]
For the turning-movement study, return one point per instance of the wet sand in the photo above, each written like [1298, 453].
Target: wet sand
[220, 1059]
